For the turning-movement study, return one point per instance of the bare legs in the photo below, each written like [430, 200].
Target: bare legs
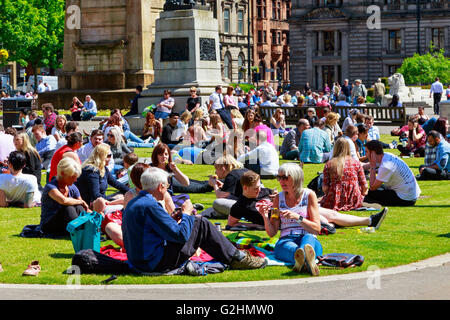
[341, 219]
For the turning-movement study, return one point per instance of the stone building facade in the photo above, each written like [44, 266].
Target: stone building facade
[333, 40]
[271, 39]
[112, 46]
[232, 16]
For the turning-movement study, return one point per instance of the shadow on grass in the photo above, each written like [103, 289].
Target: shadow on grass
[62, 255]
[445, 235]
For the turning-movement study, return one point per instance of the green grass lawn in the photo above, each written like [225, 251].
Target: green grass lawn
[406, 235]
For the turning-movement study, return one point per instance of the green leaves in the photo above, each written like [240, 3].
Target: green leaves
[425, 68]
[33, 31]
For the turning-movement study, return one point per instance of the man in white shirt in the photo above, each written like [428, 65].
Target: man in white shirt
[95, 139]
[41, 87]
[6, 144]
[89, 109]
[394, 184]
[216, 103]
[263, 159]
[436, 89]
[16, 188]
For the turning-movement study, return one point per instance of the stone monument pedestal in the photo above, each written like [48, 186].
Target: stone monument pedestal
[186, 54]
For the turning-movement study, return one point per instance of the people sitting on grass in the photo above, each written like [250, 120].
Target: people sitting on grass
[440, 168]
[289, 147]
[394, 184]
[59, 129]
[45, 146]
[33, 160]
[95, 178]
[297, 216]
[95, 138]
[61, 199]
[157, 241]
[71, 127]
[416, 139]
[152, 129]
[89, 109]
[313, 144]
[18, 189]
[74, 142]
[119, 148]
[263, 158]
[170, 134]
[6, 145]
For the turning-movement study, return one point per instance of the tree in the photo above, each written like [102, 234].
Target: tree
[33, 32]
[425, 68]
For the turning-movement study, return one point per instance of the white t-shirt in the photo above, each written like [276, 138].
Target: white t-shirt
[397, 176]
[267, 156]
[17, 187]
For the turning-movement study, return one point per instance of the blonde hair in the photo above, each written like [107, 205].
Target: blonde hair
[69, 167]
[97, 158]
[115, 131]
[186, 116]
[287, 98]
[331, 119]
[341, 151]
[228, 161]
[236, 114]
[198, 114]
[295, 171]
[27, 147]
[63, 129]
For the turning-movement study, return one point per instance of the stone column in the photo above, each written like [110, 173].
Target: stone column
[344, 55]
[336, 43]
[319, 77]
[309, 55]
[320, 44]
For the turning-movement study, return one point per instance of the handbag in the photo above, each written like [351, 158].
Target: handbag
[85, 231]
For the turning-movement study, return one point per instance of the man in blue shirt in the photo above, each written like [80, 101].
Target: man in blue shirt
[440, 168]
[89, 109]
[156, 241]
[313, 144]
[45, 146]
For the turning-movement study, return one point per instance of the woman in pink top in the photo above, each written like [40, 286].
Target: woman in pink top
[259, 125]
[230, 100]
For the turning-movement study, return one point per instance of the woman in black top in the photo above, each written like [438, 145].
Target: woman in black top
[33, 164]
[193, 102]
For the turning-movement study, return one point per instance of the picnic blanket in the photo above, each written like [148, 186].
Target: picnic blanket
[271, 260]
[244, 240]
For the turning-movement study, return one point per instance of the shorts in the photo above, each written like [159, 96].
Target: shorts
[161, 115]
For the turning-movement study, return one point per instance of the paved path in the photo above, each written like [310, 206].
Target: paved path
[425, 280]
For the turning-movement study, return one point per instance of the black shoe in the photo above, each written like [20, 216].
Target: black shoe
[198, 206]
[377, 219]
[248, 262]
[327, 229]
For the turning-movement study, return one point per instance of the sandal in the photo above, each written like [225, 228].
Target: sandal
[33, 269]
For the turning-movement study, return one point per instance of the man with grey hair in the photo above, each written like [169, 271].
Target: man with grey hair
[379, 91]
[156, 241]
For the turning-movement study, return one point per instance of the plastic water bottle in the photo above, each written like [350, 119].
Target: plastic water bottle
[367, 230]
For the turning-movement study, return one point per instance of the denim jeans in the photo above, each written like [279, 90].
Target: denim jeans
[87, 115]
[131, 136]
[287, 245]
[132, 144]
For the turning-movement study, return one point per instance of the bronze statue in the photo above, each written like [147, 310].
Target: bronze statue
[182, 4]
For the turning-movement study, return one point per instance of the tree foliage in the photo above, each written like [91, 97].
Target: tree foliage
[33, 31]
[423, 69]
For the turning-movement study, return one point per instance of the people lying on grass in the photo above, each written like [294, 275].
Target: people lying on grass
[61, 199]
[394, 184]
[298, 219]
[156, 241]
[440, 168]
[417, 139]
[45, 146]
[262, 159]
[18, 189]
[95, 178]
[33, 160]
[226, 184]
[74, 142]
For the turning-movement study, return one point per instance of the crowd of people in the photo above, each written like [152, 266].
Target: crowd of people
[151, 215]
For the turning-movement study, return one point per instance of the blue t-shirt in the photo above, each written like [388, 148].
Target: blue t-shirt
[50, 207]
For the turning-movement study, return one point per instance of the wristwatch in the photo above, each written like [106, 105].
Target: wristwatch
[299, 220]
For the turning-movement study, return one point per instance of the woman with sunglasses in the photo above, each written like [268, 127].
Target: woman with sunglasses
[193, 102]
[119, 148]
[95, 178]
[298, 220]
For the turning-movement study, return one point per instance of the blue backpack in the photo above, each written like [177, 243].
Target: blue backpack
[85, 231]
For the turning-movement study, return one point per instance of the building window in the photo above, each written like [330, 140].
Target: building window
[328, 42]
[262, 71]
[261, 9]
[395, 40]
[240, 20]
[259, 36]
[393, 69]
[227, 66]
[241, 60]
[226, 20]
[438, 37]
[264, 37]
[279, 38]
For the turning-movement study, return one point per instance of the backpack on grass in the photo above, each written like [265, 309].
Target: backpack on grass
[340, 260]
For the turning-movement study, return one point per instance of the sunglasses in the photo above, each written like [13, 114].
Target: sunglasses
[279, 178]
[110, 135]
